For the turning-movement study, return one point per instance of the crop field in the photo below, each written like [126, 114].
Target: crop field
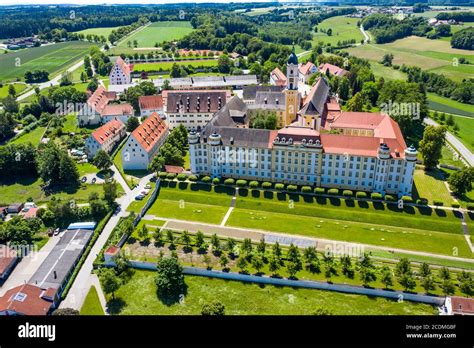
[158, 32]
[343, 29]
[52, 58]
[443, 104]
[166, 66]
[433, 55]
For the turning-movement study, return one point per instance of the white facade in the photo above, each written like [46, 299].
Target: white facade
[135, 157]
[189, 120]
[118, 76]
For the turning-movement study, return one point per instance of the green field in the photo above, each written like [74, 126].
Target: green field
[430, 185]
[19, 87]
[466, 131]
[33, 137]
[433, 55]
[92, 304]
[158, 32]
[138, 297]
[97, 31]
[343, 29]
[166, 66]
[443, 104]
[52, 58]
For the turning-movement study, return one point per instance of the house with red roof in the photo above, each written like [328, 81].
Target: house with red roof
[105, 138]
[151, 103]
[333, 70]
[121, 73]
[8, 260]
[277, 78]
[27, 299]
[144, 142]
[306, 71]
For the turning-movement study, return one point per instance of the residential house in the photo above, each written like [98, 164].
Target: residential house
[333, 70]
[277, 77]
[27, 299]
[105, 138]
[306, 71]
[150, 104]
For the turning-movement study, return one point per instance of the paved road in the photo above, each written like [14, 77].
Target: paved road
[459, 146]
[83, 281]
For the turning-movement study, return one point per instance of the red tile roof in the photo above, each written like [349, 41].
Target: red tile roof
[25, 299]
[100, 98]
[112, 250]
[107, 130]
[305, 68]
[333, 69]
[7, 257]
[174, 169]
[462, 305]
[278, 76]
[117, 110]
[150, 131]
[31, 213]
[126, 68]
[151, 102]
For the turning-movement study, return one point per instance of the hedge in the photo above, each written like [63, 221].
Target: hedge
[306, 189]
[279, 186]
[206, 179]
[216, 181]
[267, 185]
[422, 201]
[171, 176]
[407, 199]
[229, 181]
[241, 183]
[438, 203]
[253, 184]
[162, 175]
[292, 188]
[455, 205]
[347, 193]
[193, 178]
[361, 195]
[182, 177]
[333, 191]
[319, 190]
[390, 198]
[470, 207]
[375, 195]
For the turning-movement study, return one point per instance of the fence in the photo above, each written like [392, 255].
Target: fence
[148, 203]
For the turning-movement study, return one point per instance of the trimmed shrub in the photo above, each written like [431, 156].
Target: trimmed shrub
[347, 193]
[375, 195]
[241, 183]
[292, 188]
[279, 187]
[333, 192]
[170, 176]
[438, 203]
[455, 205]
[306, 189]
[193, 178]
[182, 177]
[206, 179]
[319, 190]
[162, 175]
[216, 181]
[253, 184]
[361, 195]
[422, 201]
[407, 199]
[470, 207]
[229, 181]
[267, 185]
[390, 198]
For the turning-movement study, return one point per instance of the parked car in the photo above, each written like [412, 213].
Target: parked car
[56, 231]
[148, 187]
[84, 179]
[94, 180]
[139, 197]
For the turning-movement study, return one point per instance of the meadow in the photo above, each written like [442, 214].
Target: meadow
[343, 29]
[166, 66]
[443, 104]
[157, 33]
[19, 87]
[138, 296]
[97, 31]
[52, 58]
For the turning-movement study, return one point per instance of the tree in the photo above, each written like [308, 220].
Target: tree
[386, 277]
[186, 240]
[466, 283]
[214, 308]
[109, 281]
[428, 284]
[223, 261]
[292, 268]
[158, 237]
[246, 246]
[230, 246]
[329, 32]
[257, 262]
[367, 275]
[276, 250]
[461, 181]
[346, 264]
[387, 59]
[242, 264]
[170, 278]
[11, 90]
[444, 273]
[261, 246]
[343, 88]
[425, 270]
[274, 265]
[102, 160]
[431, 145]
[224, 64]
[356, 103]
[132, 123]
[66, 311]
[55, 166]
[110, 190]
[143, 233]
[448, 287]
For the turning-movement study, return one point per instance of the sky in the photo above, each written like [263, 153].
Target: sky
[99, 2]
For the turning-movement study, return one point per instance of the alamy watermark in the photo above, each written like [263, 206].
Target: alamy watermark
[401, 109]
[241, 156]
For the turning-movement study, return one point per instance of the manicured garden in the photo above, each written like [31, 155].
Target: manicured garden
[138, 296]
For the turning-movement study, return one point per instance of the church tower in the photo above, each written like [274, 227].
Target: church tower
[291, 92]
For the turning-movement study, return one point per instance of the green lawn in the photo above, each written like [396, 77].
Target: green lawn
[86, 168]
[343, 29]
[92, 305]
[136, 206]
[98, 31]
[166, 66]
[386, 72]
[466, 131]
[430, 185]
[138, 297]
[158, 32]
[443, 104]
[33, 137]
[52, 58]
[19, 87]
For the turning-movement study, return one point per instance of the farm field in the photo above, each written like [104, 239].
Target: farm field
[97, 31]
[249, 299]
[157, 33]
[166, 66]
[435, 55]
[343, 29]
[52, 58]
[443, 104]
